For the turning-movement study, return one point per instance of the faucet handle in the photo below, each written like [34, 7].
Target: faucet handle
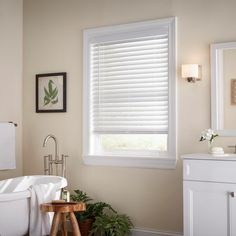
[64, 157]
[233, 146]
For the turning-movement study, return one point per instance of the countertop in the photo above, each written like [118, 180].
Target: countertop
[207, 156]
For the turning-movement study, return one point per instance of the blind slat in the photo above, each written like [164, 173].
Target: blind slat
[128, 113]
[130, 99]
[127, 129]
[130, 86]
[130, 131]
[132, 58]
[131, 76]
[129, 91]
[131, 72]
[136, 41]
[157, 53]
[163, 81]
[140, 118]
[123, 82]
[131, 105]
[131, 109]
[128, 95]
[130, 81]
[140, 61]
[129, 67]
[123, 50]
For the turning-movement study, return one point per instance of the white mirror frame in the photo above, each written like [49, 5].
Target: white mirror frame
[217, 88]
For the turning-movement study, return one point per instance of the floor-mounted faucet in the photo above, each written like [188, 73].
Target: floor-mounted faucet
[49, 161]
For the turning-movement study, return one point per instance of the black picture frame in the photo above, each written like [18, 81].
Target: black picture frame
[51, 92]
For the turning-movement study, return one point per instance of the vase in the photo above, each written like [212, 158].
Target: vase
[210, 147]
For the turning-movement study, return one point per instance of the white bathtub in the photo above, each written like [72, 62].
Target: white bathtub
[15, 202]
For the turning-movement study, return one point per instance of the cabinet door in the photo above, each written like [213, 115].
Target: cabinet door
[209, 209]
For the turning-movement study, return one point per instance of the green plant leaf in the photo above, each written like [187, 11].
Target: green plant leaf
[54, 93]
[80, 196]
[54, 101]
[50, 94]
[46, 92]
[50, 86]
[93, 209]
[116, 224]
[201, 139]
[46, 100]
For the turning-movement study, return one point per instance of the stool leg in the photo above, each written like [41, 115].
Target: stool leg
[55, 224]
[64, 229]
[74, 224]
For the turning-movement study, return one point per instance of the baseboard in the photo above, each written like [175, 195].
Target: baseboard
[144, 232]
[151, 232]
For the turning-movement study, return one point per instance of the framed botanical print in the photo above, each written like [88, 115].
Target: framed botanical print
[51, 92]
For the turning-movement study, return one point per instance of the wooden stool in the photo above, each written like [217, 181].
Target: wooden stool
[60, 210]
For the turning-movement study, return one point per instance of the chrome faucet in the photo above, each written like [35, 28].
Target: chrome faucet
[55, 141]
[49, 161]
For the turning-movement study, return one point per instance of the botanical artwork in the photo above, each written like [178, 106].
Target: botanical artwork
[51, 92]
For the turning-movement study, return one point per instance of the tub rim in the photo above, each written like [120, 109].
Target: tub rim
[13, 196]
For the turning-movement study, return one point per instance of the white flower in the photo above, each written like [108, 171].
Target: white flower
[208, 134]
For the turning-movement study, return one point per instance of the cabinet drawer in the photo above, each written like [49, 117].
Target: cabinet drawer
[210, 170]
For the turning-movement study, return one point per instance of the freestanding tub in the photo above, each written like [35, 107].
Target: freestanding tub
[15, 201]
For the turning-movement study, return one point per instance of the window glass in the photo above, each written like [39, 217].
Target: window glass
[151, 142]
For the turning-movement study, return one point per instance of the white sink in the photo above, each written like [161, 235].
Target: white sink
[226, 155]
[208, 156]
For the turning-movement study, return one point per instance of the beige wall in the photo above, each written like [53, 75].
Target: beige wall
[11, 28]
[53, 43]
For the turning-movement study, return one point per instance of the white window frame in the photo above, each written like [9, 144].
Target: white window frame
[166, 162]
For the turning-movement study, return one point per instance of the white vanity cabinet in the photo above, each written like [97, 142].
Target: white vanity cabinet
[209, 185]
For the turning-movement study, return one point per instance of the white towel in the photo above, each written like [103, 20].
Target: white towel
[40, 223]
[7, 146]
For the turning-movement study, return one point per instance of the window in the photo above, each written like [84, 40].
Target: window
[129, 95]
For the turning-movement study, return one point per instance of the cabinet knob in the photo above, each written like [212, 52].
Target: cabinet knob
[232, 194]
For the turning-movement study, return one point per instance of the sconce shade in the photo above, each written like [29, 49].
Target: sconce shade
[190, 71]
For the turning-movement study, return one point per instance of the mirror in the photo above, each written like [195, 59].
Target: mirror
[223, 88]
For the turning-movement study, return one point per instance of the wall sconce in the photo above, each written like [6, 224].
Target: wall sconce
[191, 72]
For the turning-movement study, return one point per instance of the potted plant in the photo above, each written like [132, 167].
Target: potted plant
[112, 225]
[93, 210]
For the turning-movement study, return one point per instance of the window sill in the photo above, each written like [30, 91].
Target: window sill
[124, 161]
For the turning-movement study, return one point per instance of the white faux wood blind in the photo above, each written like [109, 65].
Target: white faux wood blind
[130, 85]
